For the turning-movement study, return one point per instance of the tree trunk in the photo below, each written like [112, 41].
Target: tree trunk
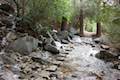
[64, 24]
[23, 7]
[81, 23]
[98, 33]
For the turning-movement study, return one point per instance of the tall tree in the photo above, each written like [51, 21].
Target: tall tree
[81, 23]
[98, 31]
[64, 24]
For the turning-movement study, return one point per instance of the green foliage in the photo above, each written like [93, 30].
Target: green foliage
[44, 11]
[90, 25]
[113, 25]
[41, 29]
[59, 8]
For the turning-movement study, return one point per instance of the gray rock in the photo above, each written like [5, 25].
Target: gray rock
[64, 41]
[97, 40]
[87, 40]
[106, 47]
[52, 68]
[8, 75]
[40, 57]
[63, 35]
[11, 36]
[58, 45]
[39, 78]
[58, 63]
[49, 41]
[89, 78]
[24, 45]
[60, 59]
[51, 48]
[54, 78]
[45, 74]
[62, 55]
[7, 59]
[55, 37]
[105, 55]
[68, 49]
[65, 52]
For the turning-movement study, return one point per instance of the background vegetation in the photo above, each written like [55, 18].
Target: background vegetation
[44, 12]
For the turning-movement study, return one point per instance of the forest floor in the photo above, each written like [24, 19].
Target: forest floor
[82, 59]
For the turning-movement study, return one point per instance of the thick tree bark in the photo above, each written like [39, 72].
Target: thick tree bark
[64, 24]
[98, 33]
[81, 23]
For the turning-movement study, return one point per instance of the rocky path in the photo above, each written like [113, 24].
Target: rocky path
[86, 66]
[76, 61]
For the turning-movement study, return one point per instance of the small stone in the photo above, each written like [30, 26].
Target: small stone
[45, 74]
[62, 55]
[90, 78]
[68, 49]
[60, 58]
[102, 73]
[105, 47]
[64, 41]
[74, 76]
[58, 63]
[97, 40]
[39, 78]
[93, 45]
[54, 78]
[11, 36]
[54, 75]
[119, 57]
[52, 68]
[91, 54]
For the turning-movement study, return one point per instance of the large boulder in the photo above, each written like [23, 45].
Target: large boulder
[24, 45]
[105, 56]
